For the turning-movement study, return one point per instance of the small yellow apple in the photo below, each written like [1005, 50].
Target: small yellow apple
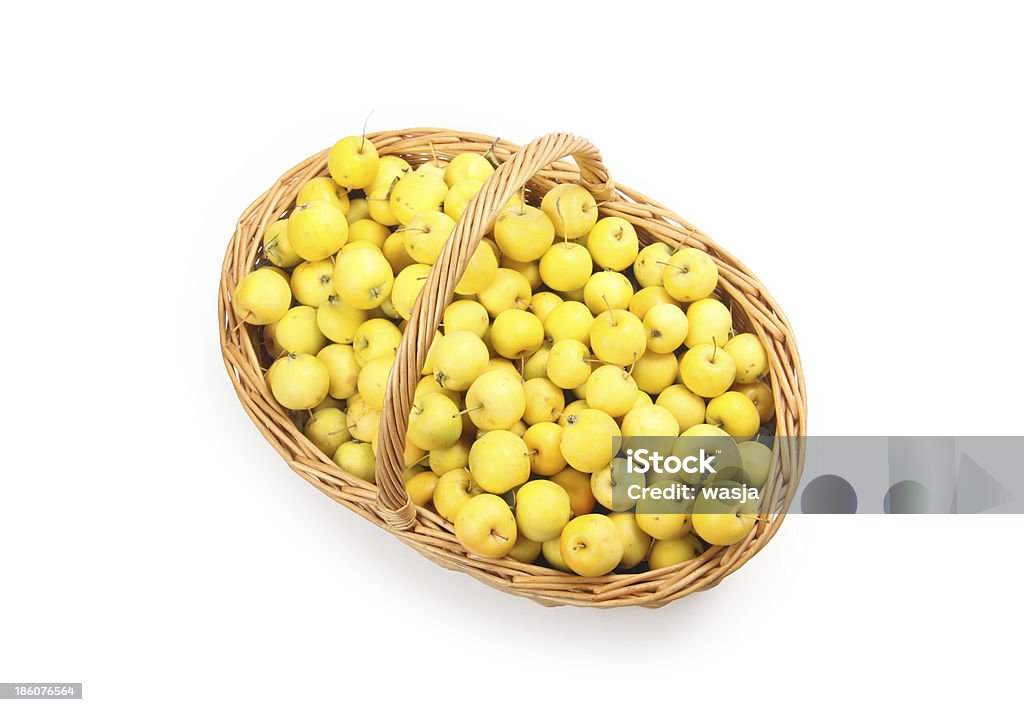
[655, 372]
[317, 230]
[577, 485]
[553, 555]
[756, 459]
[415, 193]
[458, 197]
[454, 488]
[591, 545]
[342, 369]
[723, 521]
[635, 541]
[368, 231]
[375, 337]
[395, 253]
[664, 512]
[544, 401]
[613, 243]
[425, 235]
[709, 322]
[516, 333]
[466, 315]
[297, 332]
[421, 488]
[566, 266]
[496, 400]
[323, 188]
[499, 461]
[338, 321]
[467, 166]
[612, 390]
[650, 264]
[669, 552]
[486, 526]
[524, 233]
[363, 421]
[688, 408]
[457, 359]
[434, 422]
[666, 328]
[327, 429]
[690, 275]
[707, 371]
[507, 290]
[617, 337]
[373, 380]
[543, 303]
[537, 365]
[353, 162]
[276, 246]
[735, 414]
[356, 458]
[750, 357]
[358, 209]
[300, 381]
[568, 364]
[544, 441]
[446, 459]
[569, 320]
[261, 297]
[647, 298]
[481, 273]
[571, 209]
[612, 486]
[525, 551]
[363, 278]
[761, 396]
[542, 510]
[389, 170]
[607, 290]
[587, 440]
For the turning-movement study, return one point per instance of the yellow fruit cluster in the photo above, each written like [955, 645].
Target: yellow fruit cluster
[564, 334]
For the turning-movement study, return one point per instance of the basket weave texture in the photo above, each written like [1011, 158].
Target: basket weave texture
[536, 167]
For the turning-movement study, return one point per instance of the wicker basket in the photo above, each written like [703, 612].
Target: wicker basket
[537, 166]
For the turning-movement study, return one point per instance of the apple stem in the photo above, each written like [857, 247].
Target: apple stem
[494, 532]
[558, 212]
[684, 270]
[468, 410]
[362, 143]
[714, 353]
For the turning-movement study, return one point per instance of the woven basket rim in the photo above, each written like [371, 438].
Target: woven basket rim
[423, 529]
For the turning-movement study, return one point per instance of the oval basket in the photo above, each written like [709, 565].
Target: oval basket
[536, 167]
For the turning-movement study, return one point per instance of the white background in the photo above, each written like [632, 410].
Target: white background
[866, 162]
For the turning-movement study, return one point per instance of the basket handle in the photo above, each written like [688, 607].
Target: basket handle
[393, 502]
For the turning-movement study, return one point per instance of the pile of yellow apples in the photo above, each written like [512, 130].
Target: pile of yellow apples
[563, 335]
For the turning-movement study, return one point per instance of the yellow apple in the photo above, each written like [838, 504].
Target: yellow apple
[338, 321]
[568, 364]
[709, 322]
[276, 246]
[466, 315]
[617, 337]
[544, 401]
[434, 422]
[421, 488]
[358, 209]
[635, 541]
[666, 328]
[537, 365]
[612, 486]
[707, 371]
[664, 512]
[299, 381]
[506, 290]
[496, 400]
[647, 298]
[669, 552]
[417, 192]
[499, 461]
[446, 459]
[458, 359]
[690, 275]
[525, 550]
[524, 233]
[587, 440]
[591, 545]
[458, 197]
[342, 369]
[650, 264]
[486, 526]
[323, 188]
[375, 337]
[553, 555]
[735, 414]
[467, 166]
[750, 357]
[353, 162]
[756, 459]
[577, 485]
[723, 521]
[356, 458]
[566, 266]
[607, 290]
[327, 429]
[425, 235]
[363, 278]
[317, 230]
[516, 333]
[761, 396]
[655, 372]
[389, 170]
[373, 380]
[454, 488]
[395, 253]
[261, 297]
[544, 442]
[571, 209]
[408, 284]
[481, 272]
[543, 303]
[363, 421]
[612, 390]
[569, 320]
[613, 244]
[688, 408]
[542, 510]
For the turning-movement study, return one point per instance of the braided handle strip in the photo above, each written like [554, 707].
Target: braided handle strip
[393, 502]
